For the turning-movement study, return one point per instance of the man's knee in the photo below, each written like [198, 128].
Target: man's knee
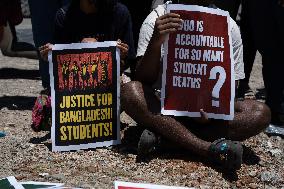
[260, 109]
[259, 112]
[131, 95]
[130, 86]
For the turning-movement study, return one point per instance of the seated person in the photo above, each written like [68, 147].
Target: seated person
[91, 21]
[203, 136]
[10, 16]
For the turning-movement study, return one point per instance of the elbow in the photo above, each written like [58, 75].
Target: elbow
[144, 74]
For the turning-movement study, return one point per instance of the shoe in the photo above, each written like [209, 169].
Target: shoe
[276, 126]
[227, 153]
[245, 92]
[13, 48]
[147, 144]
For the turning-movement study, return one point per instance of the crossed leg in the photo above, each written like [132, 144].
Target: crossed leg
[140, 102]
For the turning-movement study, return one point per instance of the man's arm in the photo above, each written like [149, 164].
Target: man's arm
[148, 66]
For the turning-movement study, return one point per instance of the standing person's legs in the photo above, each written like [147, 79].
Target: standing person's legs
[249, 47]
[43, 16]
[267, 40]
[280, 47]
[1, 33]
[273, 77]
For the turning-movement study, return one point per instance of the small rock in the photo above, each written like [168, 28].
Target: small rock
[275, 152]
[277, 138]
[92, 169]
[204, 187]
[11, 124]
[87, 186]
[269, 187]
[269, 177]
[20, 177]
[262, 163]
[58, 176]
[269, 144]
[253, 185]
[43, 174]
[253, 173]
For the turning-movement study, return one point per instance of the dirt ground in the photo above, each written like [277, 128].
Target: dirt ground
[27, 156]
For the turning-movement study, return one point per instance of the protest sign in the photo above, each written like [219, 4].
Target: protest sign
[41, 185]
[130, 185]
[85, 90]
[10, 183]
[198, 66]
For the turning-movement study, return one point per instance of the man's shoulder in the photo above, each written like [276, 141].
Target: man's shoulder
[233, 24]
[121, 10]
[155, 13]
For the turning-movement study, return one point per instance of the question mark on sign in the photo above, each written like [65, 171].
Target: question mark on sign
[218, 85]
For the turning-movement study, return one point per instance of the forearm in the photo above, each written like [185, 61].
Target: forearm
[148, 67]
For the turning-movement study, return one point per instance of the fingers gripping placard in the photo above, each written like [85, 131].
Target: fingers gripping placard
[197, 66]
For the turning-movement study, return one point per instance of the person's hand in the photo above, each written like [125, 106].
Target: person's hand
[166, 24]
[123, 47]
[43, 50]
[203, 119]
[89, 40]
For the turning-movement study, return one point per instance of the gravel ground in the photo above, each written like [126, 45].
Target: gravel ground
[27, 156]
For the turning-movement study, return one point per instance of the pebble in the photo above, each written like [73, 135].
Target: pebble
[87, 186]
[253, 185]
[275, 152]
[253, 173]
[268, 176]
[43, 174]
[57, 176]
[11, 124]
[204, 187]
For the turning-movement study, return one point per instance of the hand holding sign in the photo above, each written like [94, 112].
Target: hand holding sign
[166, 24]
[197, 64]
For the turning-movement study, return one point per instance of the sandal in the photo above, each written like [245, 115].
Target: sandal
[227, 153]
[249, 94]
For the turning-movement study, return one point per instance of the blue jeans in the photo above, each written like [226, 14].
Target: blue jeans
[42, 16]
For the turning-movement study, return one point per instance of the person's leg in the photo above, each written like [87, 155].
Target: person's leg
[248, 47]
[251, 118]
[1, 33]
[272, 75]
[139, 102]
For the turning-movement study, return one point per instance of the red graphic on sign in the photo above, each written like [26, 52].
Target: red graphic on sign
[84, 71]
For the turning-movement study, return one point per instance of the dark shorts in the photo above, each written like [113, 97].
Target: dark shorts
[10, 11]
